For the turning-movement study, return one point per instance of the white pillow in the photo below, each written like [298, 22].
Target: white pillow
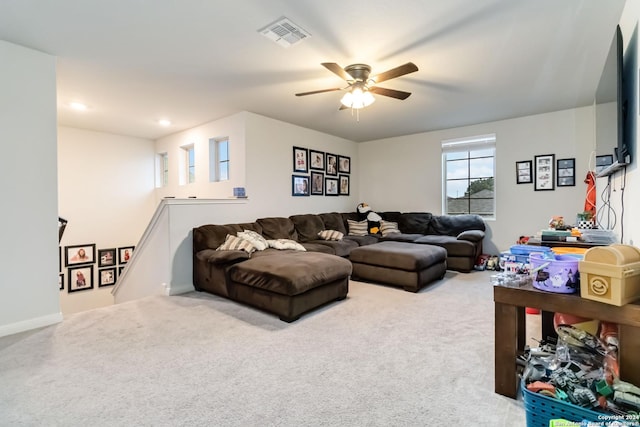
[254, 238]
[358, 228]
[234, 243]
[330, 235]
[388, 227]
[285, 244]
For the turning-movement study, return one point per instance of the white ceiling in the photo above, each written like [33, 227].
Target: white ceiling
[193, 61]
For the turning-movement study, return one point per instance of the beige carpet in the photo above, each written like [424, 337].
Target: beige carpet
[382, 357]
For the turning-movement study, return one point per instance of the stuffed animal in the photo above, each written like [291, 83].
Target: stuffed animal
[373, 219]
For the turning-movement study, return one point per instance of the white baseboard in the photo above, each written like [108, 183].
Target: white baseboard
[26, 325]
[177, 289]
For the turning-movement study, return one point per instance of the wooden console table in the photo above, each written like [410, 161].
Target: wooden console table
[510, 329]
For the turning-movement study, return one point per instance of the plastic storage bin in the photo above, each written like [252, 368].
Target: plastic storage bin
[555, 273]
[541, 409]
[611, 274]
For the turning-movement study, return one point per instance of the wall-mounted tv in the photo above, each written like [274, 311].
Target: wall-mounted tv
[611, 109]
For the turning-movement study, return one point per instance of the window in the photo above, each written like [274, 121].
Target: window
[219, 159]
[190, 164]
[162, 170]
[468, 177]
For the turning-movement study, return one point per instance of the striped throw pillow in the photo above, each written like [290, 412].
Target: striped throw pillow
[358, 228]
[330, 235]
[234, 243]
[254, 238]
[388, 227]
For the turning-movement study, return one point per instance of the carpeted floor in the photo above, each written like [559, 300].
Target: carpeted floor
[382, 357]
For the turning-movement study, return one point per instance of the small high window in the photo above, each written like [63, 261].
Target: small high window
[162, 170]
[189, 162]
[219, 159]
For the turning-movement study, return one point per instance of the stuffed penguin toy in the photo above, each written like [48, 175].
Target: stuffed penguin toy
[373, 219]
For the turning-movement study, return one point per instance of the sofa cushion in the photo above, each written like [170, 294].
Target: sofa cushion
[333, 221]
[221, 257]
[290, 274]
[235, 243]
[277, 228]
[399, 255]
[283, 244]
[454, 247]
[452, 225]
[358, 228]
[388, 227]
[316, 246]
[339, 247]
[256, 239]
[414, 222]
[401, 237]
[364, 240]
[330, 235]
[390, 215]
[307, 226]
[471, 235]
[211, 236]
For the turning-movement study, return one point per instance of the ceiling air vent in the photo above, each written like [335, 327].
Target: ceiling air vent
[284, 32]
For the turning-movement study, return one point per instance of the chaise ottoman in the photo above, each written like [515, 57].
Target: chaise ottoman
[289, 283]
[403, 264]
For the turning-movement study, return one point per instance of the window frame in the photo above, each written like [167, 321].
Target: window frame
[468, 145]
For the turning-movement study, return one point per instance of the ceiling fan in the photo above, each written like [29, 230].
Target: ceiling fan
[361, 86]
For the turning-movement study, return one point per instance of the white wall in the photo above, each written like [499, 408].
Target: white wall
[106, 192]
[405, 173]
[29, 256]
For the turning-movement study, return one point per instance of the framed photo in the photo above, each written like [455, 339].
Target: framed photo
[120, 269]
[544, 177]
[343, 190]
[331, 186]
[106, 257]
[603, 162]
[60, 259]
[106, 277]
[332, 164]
[124, 254]
[344, 164]
[523, 172]
[61, 281]
[300, 159]
[299, 185]
[80, 278]
[566, 172]
[317, 160]
[79, 254]
[317, 183]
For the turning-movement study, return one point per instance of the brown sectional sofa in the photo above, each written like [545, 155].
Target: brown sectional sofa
[290, 283]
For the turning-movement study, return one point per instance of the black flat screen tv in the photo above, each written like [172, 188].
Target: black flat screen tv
[611, 109]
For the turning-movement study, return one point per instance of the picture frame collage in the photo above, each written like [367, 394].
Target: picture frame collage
[546, 173]
[318, 173]
[80, 262]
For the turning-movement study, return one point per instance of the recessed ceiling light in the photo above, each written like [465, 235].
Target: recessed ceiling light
[164, 122]
[78, 106]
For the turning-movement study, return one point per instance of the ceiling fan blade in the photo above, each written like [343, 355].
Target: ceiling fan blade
[342, 107]
[398, 94]
[318, 91]
[336, 69]
[407, 68]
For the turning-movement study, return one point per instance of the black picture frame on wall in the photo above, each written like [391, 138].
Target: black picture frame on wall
[125, 253]
[544, 172]
[300, 160]
[343, 188]
[316, 160]
[317, 183]
[566, 172]
[107, 257]
[331, 161]
[80, 278]
[344, 164]
[524, 173]
[61, 281]
[107, 277]
[331, 186]
[299, 185]
[79, 254]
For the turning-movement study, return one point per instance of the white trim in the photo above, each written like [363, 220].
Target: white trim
[26, 325]
[458, 144]
[177, 289]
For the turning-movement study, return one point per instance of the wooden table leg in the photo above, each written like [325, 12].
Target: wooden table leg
[548, 331]
[508, 325]
[629, 338]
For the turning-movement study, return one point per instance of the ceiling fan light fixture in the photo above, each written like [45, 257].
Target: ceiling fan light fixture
[357, 98]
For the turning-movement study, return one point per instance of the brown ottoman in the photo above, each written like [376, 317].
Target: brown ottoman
[409, 265]
[289, 283]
